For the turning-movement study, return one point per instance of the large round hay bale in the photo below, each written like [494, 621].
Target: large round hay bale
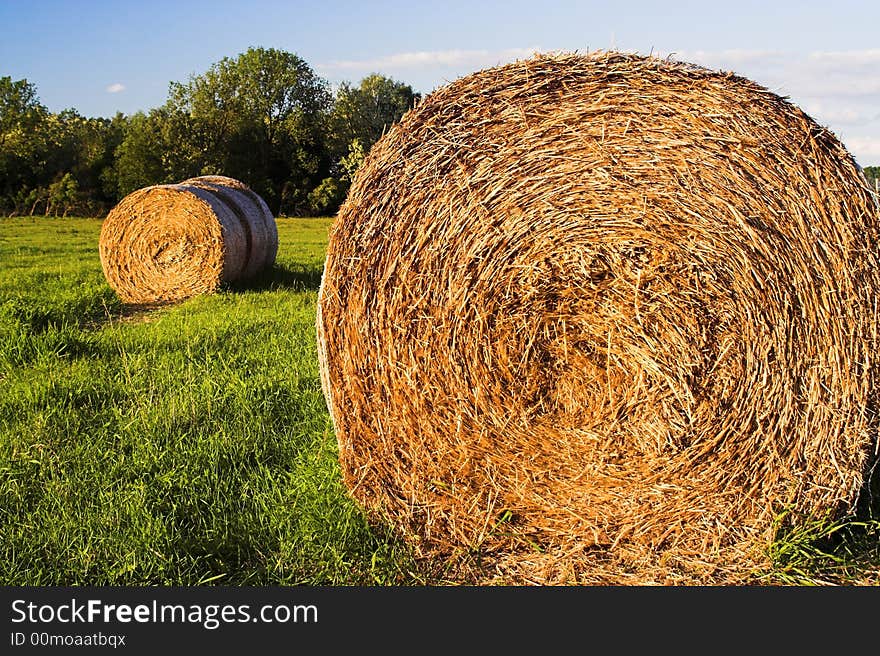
[170, 242]
[604, 317]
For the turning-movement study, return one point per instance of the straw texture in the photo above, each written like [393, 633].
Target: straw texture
[170, 242]
[603, 317]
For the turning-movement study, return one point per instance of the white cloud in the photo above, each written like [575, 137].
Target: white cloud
[839, 89]
[116, 87]
[431, 59]
[865, 149]
[818, 73]
[841, 115]
[845, 73]
[849, 58]
[729, 58]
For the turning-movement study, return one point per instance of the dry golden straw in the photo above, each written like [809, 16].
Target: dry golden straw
[170, 242]
[603, 317]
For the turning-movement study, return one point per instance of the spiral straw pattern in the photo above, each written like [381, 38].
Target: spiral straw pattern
[603, 317]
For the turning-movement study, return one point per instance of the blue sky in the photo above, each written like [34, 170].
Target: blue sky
[101, 57]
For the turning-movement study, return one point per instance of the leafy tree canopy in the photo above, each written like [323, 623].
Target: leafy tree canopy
[263, 117]
[365, 111]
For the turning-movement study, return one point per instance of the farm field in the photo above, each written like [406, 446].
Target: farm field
[190, 444]
[182, 445]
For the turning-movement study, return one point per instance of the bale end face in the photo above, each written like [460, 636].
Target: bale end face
[613, 306]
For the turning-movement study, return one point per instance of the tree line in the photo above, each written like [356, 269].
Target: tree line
[263, 117]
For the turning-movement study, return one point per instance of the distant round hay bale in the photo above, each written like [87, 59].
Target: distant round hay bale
[169, 242]
[603, 316]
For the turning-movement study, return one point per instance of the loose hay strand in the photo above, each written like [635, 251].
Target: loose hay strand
[603, 313]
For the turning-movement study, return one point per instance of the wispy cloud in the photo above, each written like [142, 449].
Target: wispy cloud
[730, 58]
[866, 147]
[842, 115]
[849, 58]
[426, 59]
[817, 73]
[839, 89]
[116, 87]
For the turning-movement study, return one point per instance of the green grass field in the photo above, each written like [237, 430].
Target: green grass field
[183, 445]
[191, 444]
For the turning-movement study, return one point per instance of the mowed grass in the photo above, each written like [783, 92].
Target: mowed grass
[191, 444]
[183, 445]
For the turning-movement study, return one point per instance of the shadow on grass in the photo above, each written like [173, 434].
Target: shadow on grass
[281, 277]
[275, 278]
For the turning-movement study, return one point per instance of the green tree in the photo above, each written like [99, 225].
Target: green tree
[100, 137]
[872, 175]
[364, 112]
[62, 195]
[352, 160]
[84, 148]
[19, 108]
[263, 117]
[260, 117]
[326, 198]
[361, 115]
[139, 158]
[23, 144]
[38, 149]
